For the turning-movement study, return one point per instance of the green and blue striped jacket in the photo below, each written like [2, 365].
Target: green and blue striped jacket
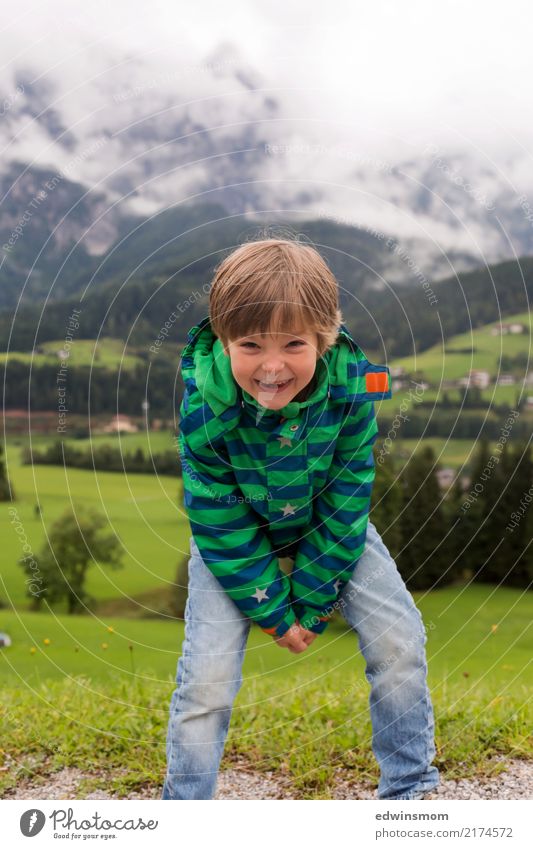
[260, 485]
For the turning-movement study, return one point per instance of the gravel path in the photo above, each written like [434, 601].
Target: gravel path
[242, 783]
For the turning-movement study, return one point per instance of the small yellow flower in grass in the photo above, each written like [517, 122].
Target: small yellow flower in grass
[493, 628]
[46, 641]
[33, 650]
[105, 646]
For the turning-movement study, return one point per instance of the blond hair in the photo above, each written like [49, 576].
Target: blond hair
[274, 285]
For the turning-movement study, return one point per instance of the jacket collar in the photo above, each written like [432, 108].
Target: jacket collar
[343, 374]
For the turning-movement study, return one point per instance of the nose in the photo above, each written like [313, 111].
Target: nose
[273, 367]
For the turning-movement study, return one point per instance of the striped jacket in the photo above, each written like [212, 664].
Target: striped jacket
[260, 485]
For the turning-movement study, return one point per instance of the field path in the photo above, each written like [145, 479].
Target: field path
[241, 782]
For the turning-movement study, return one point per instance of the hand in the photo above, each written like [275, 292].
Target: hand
[308, 636]
[296, 639]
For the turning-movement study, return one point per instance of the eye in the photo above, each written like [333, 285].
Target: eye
[254, 344]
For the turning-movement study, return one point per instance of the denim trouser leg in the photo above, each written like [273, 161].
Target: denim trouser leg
[376, 603]
[209, 676]
[392, 638]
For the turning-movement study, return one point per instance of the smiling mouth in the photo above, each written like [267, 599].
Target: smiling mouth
[274, 387]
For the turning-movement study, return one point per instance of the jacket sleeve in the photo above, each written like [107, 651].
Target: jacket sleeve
[231, 541]
[328, 553]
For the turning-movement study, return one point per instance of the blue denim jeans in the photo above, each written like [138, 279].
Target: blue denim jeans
[377, 605]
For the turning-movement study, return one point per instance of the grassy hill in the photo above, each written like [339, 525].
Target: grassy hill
[143, 511]
[101, 353]
[478, 349]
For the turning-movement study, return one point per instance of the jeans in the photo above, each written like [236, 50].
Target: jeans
[377, 605]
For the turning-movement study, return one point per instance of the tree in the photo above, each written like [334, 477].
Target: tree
[511, 560]
[76, 540]
[491, 539]
[387, 500]
[473, 535]
[423, 559]
[6, 490]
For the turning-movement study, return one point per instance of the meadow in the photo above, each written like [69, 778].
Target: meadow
[478, 349]
[81, 691]
[93, 690]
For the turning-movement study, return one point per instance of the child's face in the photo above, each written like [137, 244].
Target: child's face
[260, 362]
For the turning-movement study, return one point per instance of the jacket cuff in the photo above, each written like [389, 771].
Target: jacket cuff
[312, 619]
[282, 627]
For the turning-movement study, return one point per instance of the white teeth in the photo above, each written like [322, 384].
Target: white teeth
[273, 385]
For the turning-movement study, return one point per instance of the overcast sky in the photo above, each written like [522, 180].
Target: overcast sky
[397, 71]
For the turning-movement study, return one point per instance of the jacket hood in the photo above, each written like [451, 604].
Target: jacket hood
[213, 401]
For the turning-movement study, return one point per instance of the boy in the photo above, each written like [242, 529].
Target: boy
[277, 425]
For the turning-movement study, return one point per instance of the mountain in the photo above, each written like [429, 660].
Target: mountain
[399, 321]
[103, 147]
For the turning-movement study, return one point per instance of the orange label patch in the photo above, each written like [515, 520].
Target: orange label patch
[377, 381]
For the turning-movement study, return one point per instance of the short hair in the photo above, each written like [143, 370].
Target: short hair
[274, 285]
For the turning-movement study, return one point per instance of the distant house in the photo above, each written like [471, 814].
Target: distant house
[397, 371]
[445, 477]
[5, 640]
[506, 380]
[476, 377]
[120, 424]
[509, 327]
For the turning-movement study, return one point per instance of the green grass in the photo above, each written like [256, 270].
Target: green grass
[458, 621]
[452, 453]
[102, 353]
[493, 395]
[304, 715]
[437, 365]
[305, 728]
[142, 509]
[74, 702]
[440, 363]
[151, 442]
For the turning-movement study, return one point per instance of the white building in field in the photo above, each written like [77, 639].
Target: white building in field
[120, 424]
[476, 377]
[503, 328]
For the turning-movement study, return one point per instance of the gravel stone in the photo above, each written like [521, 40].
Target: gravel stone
[240, 782]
